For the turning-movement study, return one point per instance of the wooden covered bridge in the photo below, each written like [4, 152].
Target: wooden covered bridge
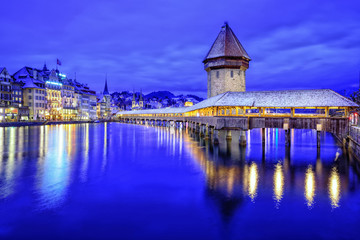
[322, 110]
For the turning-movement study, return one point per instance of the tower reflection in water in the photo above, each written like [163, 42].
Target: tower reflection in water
[234, 172]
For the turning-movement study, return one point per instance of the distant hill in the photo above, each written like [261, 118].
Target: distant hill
[160, 95]
[153, 100]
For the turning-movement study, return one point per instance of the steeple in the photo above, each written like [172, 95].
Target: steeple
[106, 91]
[45, 69]
[141, 101]
[141, 97]
[226, 63]
[133, 103]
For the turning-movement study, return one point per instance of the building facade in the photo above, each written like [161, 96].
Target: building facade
[53, 87]
[34, 98]
[69, 102]
[137, 105]
[5, 96]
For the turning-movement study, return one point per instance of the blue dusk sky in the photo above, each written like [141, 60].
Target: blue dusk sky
[160, 44]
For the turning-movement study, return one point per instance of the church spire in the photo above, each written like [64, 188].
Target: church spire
[45, 69]
[106, 91]
[141, 97]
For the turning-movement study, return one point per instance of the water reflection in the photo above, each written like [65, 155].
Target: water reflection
[303, 170]
[334, 188]
[253, 180]
[58, 157]
[278, 183]
[309, 186]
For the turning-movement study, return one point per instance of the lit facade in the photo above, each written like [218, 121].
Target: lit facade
[53, 96]
[5, 95]
[69, 101]
[64, 99]
[34, 98]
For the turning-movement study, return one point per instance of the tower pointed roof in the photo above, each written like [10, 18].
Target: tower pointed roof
[45, 69]
[226, 45]
[106, 91]
[141, 97]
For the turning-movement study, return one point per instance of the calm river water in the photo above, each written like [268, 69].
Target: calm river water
[118, 181]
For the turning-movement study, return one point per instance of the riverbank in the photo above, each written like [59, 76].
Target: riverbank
[39, 123]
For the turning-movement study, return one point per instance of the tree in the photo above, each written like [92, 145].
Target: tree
[355, 96]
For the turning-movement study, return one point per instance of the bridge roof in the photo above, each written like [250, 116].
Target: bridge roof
[156, 111]
[283, 99]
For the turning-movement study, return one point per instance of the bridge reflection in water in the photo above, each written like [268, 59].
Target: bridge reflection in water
[236, 174]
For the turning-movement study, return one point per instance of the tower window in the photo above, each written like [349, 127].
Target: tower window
[217, 74]
[232, 73]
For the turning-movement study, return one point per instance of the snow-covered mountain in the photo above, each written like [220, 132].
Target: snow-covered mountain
[157, 99]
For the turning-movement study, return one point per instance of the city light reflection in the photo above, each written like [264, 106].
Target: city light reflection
[309, 186]
[334, 188]
[253, 181]
[85, 162]
[278, 183]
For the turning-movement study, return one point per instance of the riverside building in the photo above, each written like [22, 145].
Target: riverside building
[32, 94]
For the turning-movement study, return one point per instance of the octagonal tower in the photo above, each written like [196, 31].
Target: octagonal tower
[226, 63]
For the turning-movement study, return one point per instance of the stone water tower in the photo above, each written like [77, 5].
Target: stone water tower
[226, 63]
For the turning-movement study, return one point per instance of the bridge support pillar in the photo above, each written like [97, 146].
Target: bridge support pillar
[197, 128]
[263, 133]
[287, 138]
[201, 130]
[318, 138]
[242, 138]
[206, 132]
[228, 135]
[172, 124]
[215, 136]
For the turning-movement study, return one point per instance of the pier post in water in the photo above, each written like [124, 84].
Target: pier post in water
[287, 135]
[263, 132]
[201, 132]
[228, 135]
[206, 131]
[242, 138]
[318, 134]
[216, 136]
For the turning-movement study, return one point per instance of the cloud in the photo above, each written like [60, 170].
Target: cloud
[160, 45]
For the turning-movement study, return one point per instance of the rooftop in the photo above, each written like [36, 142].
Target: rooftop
[226, 45]
[268, 99]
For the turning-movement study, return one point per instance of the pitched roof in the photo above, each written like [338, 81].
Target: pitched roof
[29, 83]
[283, 98]
[226, 45]
[269, 99]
